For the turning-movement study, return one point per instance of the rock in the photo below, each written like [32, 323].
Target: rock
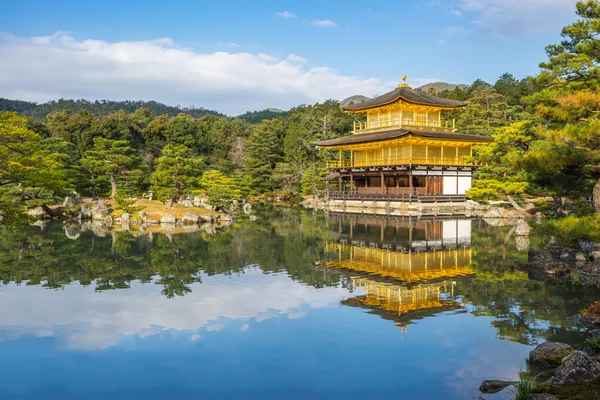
[72, 231]
[190, 218]
[125, 217]
[99, 210]
[549, 353]
[513, 216]
[38, 213]
[168, 219]
[207, 218]
[186, 203]
[197, 201]
[522, 228]
[494, 212]
[493, 386]
[542, 396]
[594, 333]
[252, 218]
[168, 226]
[70, 201]
[108, 220]
[99, 229]
[522, 243]
[247, 208]
[576, 367]
[85, 212]
[143, 216]
[152, 222]
[125, 226]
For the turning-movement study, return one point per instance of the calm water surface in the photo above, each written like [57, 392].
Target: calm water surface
[293, 305]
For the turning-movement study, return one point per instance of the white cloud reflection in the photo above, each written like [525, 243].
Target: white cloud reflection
[82, 319]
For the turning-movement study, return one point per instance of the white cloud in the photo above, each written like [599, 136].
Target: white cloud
[454, 12]
[442, 41]
[296, 59]
[515, 18]
[460, 30]
[286, 14]
[80, 319]
[227, 44]
[323, 23]
[59, 66]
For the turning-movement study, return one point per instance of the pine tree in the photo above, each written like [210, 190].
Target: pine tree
[177, 172]
[111, 158]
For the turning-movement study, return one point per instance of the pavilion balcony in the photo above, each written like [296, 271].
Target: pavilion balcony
[390, 161]
[383, 124]
[403, 194]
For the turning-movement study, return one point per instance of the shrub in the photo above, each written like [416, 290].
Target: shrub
[571, 229]
[594, 343]
[524, 387]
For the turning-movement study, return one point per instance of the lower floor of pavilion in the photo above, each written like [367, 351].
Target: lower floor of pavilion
[443, 184]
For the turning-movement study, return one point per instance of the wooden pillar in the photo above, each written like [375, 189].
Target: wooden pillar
[382, 183]
[340, 183]
[351, 182]
[410, 182]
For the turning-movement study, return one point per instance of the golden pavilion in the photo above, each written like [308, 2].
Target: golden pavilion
[404, 151]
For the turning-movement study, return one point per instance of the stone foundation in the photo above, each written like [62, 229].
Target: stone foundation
[396, 208]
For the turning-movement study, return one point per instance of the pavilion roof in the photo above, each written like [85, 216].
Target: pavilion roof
[408, 95]
[398, 133]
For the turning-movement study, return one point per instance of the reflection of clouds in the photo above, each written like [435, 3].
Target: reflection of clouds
[82, 319]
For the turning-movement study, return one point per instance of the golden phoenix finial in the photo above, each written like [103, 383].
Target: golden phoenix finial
[404, 82]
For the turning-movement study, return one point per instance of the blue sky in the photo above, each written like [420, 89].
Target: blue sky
[239, 55]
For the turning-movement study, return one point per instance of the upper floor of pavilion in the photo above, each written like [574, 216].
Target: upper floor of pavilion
[404, 108]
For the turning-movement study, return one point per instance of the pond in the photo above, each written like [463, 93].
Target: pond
[294, 305]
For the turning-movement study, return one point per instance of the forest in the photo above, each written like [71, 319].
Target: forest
[546, 130]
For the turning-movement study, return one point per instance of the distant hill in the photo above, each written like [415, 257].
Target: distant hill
[440, 86]
[255, 117]
[98, 107]
[356, 99]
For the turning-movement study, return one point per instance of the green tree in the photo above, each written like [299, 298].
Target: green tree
[177, 173]
[567, 161]
[220, 189]
[264, 150]
[112, 158]
[500, 174]
[32, 169]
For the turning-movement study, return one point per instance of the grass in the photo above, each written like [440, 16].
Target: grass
[570, 229]
[594, 343]
[155, 209]
[589, 390]
[524, 387]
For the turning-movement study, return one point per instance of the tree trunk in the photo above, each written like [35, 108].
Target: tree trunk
[113, 185]
[174, 196]
[51, 213]
[94, 197]
[596, 192]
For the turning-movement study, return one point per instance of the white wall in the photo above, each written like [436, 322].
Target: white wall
[464, 184]
[449, 185]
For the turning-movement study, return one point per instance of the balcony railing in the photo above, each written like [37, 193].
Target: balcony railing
[393, 194]
[436, 125]
[415, 160]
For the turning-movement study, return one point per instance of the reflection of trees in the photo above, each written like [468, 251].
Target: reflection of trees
[284, 241]
[281, 241]
[523, 310]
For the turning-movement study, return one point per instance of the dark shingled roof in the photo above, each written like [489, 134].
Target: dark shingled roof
[387, 135]
[407, 94]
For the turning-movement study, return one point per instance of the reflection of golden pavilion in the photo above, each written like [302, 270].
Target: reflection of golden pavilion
[403, 304]
[405, 267]
[403, 250]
